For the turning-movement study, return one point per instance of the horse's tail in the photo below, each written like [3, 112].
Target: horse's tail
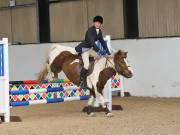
[43, 73]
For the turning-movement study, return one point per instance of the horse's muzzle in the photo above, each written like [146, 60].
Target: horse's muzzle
[128, 73]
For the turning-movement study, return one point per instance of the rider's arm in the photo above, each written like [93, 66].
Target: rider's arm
[103, 43]
[92, 41]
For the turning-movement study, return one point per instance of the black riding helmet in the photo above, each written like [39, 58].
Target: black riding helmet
[98, 19]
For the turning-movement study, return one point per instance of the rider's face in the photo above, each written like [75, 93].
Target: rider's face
[97, 25]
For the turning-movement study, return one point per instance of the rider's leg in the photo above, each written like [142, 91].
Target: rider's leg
[84, 71]
[85, 57]
[92, 53]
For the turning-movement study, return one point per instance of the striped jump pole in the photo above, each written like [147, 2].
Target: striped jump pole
[35, 81]
[55, 89]
[46, 101]
[29, 92]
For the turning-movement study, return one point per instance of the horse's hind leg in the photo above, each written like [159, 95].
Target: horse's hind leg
[51, 75]
[55, 76]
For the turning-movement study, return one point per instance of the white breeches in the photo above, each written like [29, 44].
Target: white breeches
[85, 56]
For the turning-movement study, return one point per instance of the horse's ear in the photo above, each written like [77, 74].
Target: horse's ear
[119, 52]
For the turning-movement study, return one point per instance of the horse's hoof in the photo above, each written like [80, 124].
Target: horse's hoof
[110, 115]
[92, 115]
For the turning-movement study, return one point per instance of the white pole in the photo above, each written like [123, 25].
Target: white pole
[107, 93]
[108, 41]
[6, 84]
[122, 86]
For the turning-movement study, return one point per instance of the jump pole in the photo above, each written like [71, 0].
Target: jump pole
[57, 88]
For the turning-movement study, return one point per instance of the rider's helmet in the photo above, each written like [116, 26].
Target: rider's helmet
[98, 19]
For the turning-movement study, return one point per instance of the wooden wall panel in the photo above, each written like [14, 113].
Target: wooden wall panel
[5, 24]
[24, 24]
[24, 2]
[158, 18]
[112, 12]
[4, 3]
[68, 20]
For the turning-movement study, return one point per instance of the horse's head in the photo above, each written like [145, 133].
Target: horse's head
[121, 64]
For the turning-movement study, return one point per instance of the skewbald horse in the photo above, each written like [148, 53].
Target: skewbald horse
[63, 58]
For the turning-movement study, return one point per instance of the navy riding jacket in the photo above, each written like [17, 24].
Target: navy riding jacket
[90, 38]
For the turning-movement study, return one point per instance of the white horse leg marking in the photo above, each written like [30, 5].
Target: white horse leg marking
[101, 99]
[50, 74]
[91, 101]
[104, 105]
[55, 76]
[90, 110]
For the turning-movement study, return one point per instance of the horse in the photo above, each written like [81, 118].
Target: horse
[63, 58]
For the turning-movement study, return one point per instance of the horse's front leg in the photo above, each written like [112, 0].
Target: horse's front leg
[102, 102]
[90, 107]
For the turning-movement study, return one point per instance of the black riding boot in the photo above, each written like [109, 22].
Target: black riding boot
[83, 77]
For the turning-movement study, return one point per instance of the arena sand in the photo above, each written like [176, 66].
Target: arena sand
[141, 116]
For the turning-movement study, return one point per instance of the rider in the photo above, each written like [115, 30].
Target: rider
[91, 46]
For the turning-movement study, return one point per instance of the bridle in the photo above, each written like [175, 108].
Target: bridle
[113, 65]
[116, 67]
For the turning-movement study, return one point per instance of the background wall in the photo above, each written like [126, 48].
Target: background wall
[5, 24]
[155, 63]
[112, 12]
[159, 18]
[24, 24]
[69, 20]
[66, 20]
[20, 23]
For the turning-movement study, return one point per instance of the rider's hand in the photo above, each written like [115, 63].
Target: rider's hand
[103, 52]
[108, 52]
